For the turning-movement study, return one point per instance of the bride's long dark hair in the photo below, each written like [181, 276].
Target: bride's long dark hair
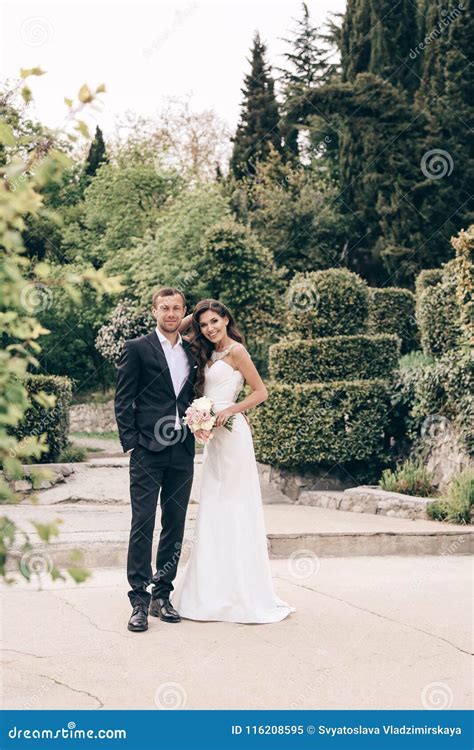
[201, 346]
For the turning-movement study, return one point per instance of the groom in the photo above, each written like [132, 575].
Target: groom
[155, 385]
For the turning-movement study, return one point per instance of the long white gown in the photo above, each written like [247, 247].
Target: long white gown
[228, 576]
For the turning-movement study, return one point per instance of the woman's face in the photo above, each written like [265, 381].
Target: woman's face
[213, 326]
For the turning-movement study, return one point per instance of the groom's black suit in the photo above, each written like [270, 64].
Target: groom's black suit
[162, 459]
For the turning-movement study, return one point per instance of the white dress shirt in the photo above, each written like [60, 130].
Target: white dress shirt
[178, 364]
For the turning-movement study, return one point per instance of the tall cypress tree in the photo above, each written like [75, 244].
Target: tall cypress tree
[97, 154]
[259, 125]
[393, 34]
[446, 96]
[355, 39]
[377, 36]
[307, 67]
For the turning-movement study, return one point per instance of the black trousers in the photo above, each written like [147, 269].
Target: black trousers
[168, 474]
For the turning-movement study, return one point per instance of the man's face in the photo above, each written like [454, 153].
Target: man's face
[169, 312]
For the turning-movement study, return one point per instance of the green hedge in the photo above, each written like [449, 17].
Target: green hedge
[335, 358]
[437, 312]
[302, 426]
[327, 303]
[392, 310]
[428, 277]
[55, 421]
[429, 394]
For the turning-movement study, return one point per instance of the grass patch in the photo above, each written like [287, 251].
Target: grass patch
[410, 478]
[456, 507]
[73, 454]
[111, 435]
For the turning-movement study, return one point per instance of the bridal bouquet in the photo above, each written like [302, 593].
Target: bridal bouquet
[201, 416]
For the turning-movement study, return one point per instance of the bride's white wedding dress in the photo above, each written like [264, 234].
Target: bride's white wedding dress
[228, 575]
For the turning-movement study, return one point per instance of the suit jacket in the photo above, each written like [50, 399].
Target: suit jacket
[145, 401]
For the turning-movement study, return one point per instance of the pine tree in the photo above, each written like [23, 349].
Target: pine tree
[258, 127]
[97, 154]
[307, 67]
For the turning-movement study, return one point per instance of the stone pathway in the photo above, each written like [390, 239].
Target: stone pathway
[368, 633]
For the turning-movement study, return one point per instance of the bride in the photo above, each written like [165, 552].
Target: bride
[228, 575]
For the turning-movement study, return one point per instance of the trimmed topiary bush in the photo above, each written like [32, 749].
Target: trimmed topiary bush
[334, 358]
[464, 271]
[392, 310]
[300, 426]
[54, 422]
[328, 401]
[428, 277]
[437, 313]
[327, 303]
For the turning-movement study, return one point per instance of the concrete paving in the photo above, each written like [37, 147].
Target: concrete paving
[380, 633]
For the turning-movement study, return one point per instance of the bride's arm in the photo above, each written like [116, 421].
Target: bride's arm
[242, 362]
[185, 323]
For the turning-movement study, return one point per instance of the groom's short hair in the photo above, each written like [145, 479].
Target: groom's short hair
[167, 291]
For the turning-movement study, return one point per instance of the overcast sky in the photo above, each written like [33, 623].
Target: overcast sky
[144, 52]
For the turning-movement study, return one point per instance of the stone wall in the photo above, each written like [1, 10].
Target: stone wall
[92, 417]
[444, 455]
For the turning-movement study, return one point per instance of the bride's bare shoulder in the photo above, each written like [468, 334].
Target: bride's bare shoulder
[239, 351]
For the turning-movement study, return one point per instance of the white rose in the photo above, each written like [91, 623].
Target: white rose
[203, 403]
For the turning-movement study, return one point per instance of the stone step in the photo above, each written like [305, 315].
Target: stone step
[368, 499]
[101, 533]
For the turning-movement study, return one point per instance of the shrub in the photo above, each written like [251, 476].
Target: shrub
[410, 478]
[327, 303]
[334, 358]
[457, 507]
[414, 359]
[124, 323]
[437, 314]
[427, 278]
[445, 389]
[430, 393]
[300, 426]
[464, 271]
[238, 270]
[393, 311]
[72, 454]
[38, 419]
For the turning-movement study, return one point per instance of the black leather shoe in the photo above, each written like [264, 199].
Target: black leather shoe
[139, 618]
[163, 609]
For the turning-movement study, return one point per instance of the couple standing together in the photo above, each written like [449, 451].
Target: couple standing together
[227, 577]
